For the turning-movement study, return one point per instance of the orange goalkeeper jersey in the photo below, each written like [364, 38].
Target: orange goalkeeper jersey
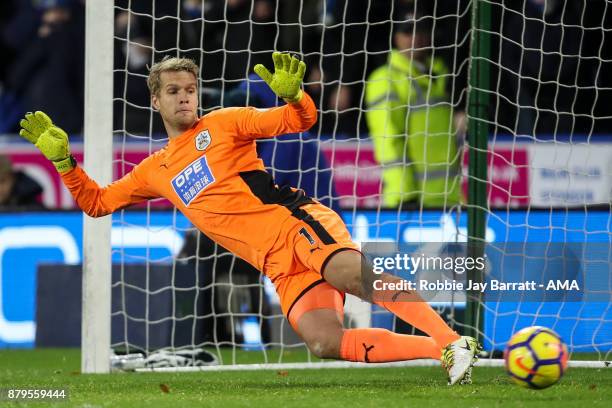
[212, 174]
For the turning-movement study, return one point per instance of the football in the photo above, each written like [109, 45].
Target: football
[536, 357]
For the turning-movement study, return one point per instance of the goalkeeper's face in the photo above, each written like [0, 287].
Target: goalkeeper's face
[177, 100]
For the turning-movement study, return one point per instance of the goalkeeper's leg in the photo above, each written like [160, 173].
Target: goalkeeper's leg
[317, 316]
[320, 241]
[315, 244]
[345, 272]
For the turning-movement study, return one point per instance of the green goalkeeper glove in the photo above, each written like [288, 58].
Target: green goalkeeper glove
[287, 78]
[52, 141]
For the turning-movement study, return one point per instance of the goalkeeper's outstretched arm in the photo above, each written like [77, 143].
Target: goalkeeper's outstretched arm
[299, 115]
[95, 201]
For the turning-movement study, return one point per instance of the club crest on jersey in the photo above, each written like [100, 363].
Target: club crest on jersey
[203, 139]
[192, 180]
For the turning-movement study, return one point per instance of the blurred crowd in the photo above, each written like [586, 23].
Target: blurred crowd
[563, 90]
[340, 41]
[42, 47]
[17, 189]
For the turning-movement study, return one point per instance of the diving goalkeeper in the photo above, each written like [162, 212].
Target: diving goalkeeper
[210, 171]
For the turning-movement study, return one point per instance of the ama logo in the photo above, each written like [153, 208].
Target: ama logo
[192, 180]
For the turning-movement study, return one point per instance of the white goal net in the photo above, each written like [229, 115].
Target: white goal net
[393, 82]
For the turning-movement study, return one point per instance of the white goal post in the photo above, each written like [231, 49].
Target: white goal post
[98, 150]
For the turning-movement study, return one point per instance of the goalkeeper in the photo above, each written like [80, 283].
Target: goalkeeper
[210, 171]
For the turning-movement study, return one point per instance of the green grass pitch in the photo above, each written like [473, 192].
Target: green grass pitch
[376, 387]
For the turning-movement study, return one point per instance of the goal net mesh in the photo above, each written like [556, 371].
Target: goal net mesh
[549, 177]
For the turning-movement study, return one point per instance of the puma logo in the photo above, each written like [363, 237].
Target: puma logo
[367, 350]
[314, 249]
[467, 346]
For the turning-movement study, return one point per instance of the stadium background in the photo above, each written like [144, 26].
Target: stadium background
[529, 169]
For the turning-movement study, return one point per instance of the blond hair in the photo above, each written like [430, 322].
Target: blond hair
[169, 64]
